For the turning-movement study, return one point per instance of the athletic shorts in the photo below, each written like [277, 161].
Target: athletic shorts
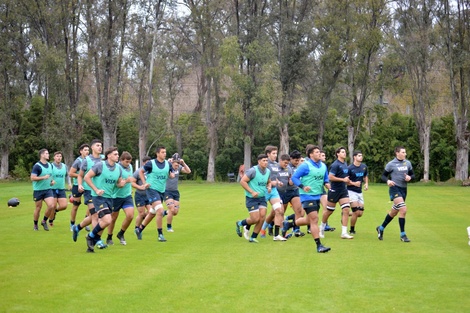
[154, 195]
[311, 206]
[356, 197]
[397, 192]
[87, 196]
[122, 203]
[287, 196]
[101, 203]
[39, 195]
[172, 194]
[335, 195]
[141, 199]
[59, 193]
[274, 194]
[75, 192]
[254, 204]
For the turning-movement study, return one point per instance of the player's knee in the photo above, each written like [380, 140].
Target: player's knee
[345, 206]
[76, 203]
[330, 208]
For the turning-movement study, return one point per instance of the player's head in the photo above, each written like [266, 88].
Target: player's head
[146, 159]
[84, 149]
[160, 153]
[295, 157]
[284, 160]
[96, 146]
[111, 154]
[271, 152]
[58, 155]
[400, 152]
[263, 160]
[44, 153]
[357, 155]
[126, 158]
[341, 153]
[322, 156]
[313, 152]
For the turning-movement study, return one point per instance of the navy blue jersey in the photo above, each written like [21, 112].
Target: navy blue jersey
[339, 170]
[357, 173]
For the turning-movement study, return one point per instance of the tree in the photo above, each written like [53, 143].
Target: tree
[106, 26]
[415, 45]
[456, 38]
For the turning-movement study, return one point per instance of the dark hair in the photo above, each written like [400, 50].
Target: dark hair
[309, 149]
[126, 156]
[41, 152]
[398, 148]
[262, 156]
[83, 146]
[295, 154]
[58, 152]
[356, 152]
[146, 158]
[270, 149]
[339, 149]
[159, 148]
[285, 157]
[95, 141]
[109, 151]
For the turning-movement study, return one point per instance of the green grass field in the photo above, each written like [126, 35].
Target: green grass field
[205, 267]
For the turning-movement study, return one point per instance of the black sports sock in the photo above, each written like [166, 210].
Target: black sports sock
[401, 222]
[387, 220]
[276, 230]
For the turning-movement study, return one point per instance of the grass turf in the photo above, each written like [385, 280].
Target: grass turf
[205, 266]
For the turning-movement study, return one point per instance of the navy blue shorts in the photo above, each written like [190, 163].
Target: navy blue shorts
[122, 203]
[75, 192]
[39, 195]
[141, 199]
[335, 195]
[59, 193]
[154, 195]
[102, 203]
[311, 206]
[172, 194]
[397, 192]
[87, 196]
[287, 196]
[254, 204]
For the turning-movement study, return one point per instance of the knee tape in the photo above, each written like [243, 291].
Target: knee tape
[398, 206]
[170, 203]
[330, 208]
[156, 208]
[77, 203]
[103, 212]
[345, 206]
[276, 206]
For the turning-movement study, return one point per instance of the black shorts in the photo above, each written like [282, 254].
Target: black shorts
[311, 206]
[59, 193]
[172, 194]
[335, 195]
[141, 199]
[39, 195]
[287, 196]
[397, 192]
[75, 192]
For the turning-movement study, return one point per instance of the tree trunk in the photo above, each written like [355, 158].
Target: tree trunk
[4, 163]
[351, 141]
[426, 147]
[109, 136]
[284, 139]
[247, 151]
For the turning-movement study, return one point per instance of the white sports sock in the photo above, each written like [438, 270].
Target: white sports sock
[344, 229]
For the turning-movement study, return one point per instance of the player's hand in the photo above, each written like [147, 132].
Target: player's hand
[407, 177]
[390, 183]
[100, 192]
[52, 182]
[254, 194]
[307, 188]
[366, 186]
[346, 180]
[46, 177]
[80, 188]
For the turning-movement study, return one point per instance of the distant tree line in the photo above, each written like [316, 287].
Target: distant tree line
[366, 75]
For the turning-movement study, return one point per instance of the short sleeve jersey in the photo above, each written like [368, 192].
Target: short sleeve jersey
[172, 183]
[59, 173]
[138, 181]
[283, 176]
[357, 173]
[40, 170]
[398, 169]
[339, 170]
[76, 165]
